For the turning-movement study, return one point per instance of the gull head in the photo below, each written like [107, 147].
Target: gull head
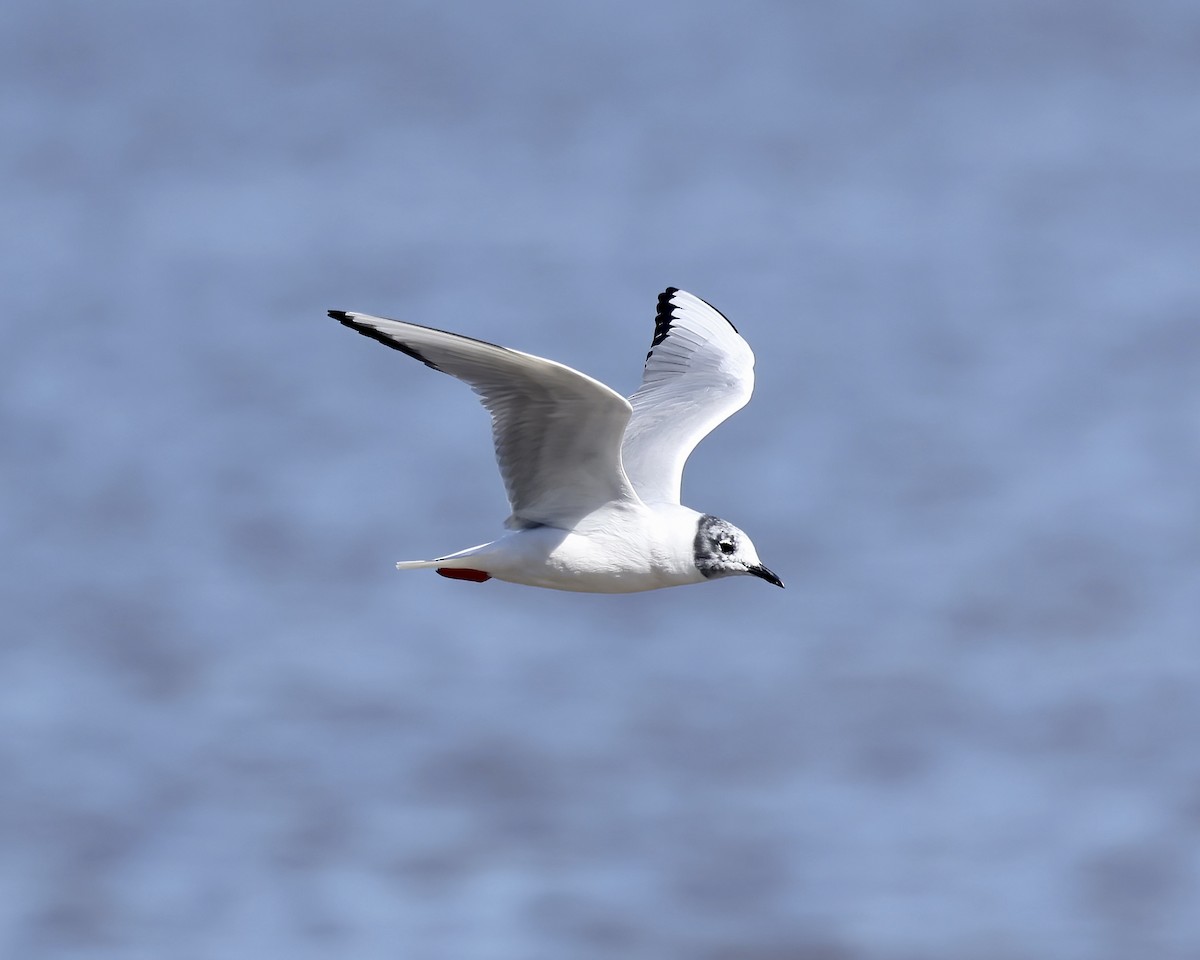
[722, 550]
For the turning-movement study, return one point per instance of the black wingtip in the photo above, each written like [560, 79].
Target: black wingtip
[662, 322]
[662, 318]
[342, 317]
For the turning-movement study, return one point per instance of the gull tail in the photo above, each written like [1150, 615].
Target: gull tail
[416, 564]
[456, 566]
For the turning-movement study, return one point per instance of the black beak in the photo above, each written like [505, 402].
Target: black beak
[765, 574]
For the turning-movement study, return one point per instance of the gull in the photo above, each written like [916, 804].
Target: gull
[593, 479]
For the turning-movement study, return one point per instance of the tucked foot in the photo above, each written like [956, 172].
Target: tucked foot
[464, 573]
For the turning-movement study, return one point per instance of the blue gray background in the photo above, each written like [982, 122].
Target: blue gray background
[963, 240]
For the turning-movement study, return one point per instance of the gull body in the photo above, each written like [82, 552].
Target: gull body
[594, 479]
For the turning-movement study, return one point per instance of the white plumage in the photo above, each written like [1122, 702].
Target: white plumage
[593, 479]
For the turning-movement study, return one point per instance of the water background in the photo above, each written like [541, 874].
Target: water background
[963, 240]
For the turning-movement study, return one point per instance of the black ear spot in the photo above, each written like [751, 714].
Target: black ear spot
[715, 546]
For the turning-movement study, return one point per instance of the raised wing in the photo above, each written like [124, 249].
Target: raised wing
[699, 372]
[557, 432]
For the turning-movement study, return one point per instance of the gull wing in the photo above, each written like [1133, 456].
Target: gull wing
[557, 432]
[699, 372]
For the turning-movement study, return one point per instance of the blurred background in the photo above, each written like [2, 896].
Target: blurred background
[963, 241]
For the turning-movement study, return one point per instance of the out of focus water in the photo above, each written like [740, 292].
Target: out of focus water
[963, 240]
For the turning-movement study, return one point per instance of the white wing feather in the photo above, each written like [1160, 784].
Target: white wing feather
[557, 432]
[699, 372]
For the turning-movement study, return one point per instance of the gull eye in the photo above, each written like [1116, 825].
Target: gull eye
[726, 546]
